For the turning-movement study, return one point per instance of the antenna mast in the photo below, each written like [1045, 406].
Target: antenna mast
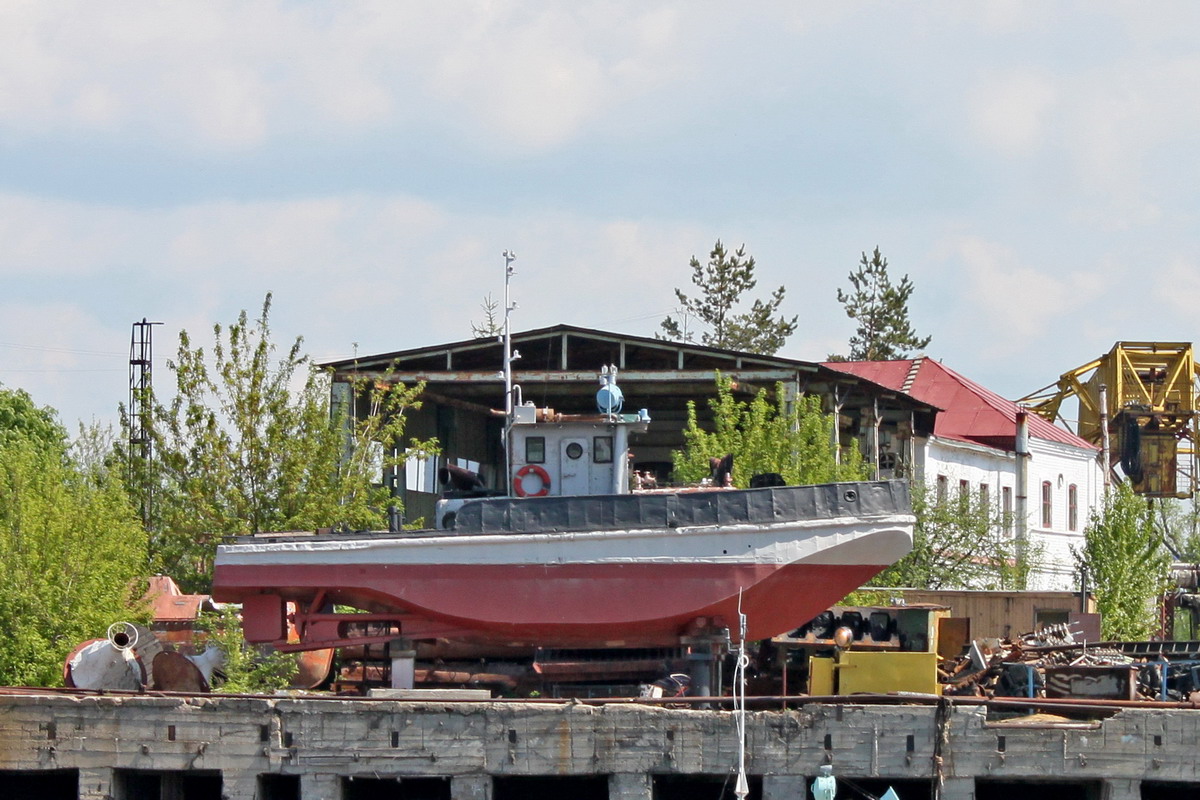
[141, 364]
[509, 357]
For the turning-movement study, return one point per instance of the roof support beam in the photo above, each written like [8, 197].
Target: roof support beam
[569, 376]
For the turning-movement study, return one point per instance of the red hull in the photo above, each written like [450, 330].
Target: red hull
[568, 604]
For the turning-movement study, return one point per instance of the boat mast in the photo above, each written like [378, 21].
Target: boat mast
[741, 786]
[509, 357]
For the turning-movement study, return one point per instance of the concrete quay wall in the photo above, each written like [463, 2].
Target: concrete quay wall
[285, 747]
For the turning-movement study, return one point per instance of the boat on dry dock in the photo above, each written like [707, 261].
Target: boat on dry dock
[575, 557]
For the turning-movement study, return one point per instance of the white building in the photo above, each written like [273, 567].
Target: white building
[974, 448]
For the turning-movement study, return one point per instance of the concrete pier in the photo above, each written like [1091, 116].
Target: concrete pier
[56, 746]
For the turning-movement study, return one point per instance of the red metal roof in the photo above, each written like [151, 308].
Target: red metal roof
[172, 605]
[970, 412]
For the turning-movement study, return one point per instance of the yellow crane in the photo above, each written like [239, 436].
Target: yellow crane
[1144, 396]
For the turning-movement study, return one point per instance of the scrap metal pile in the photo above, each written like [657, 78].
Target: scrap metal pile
[132, 658]
[1054, 662]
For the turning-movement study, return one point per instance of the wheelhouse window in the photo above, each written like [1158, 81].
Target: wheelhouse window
[1047, 504]
[420, 474]
[535, 450]
[602, 449]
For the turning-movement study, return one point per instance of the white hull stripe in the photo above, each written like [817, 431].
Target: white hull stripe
[846, 540]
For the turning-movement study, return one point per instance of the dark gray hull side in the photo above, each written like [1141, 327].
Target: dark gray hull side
[684, 509]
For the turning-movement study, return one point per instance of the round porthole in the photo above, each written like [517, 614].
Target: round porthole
[850, 496]
[574, 450]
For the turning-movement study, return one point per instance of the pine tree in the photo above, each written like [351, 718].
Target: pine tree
[881, 310]
[722, 283]
[492, 324]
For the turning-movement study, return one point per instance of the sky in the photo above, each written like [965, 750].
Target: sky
[1031, 166]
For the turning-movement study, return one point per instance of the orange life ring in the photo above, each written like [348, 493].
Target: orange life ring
[519, 480]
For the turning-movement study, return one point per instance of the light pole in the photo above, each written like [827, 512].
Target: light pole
[509, 357]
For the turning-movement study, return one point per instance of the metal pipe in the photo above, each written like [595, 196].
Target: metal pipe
[1022, 478]
[509, 257]
[873, 435]
[620, 465]
[1105, 446]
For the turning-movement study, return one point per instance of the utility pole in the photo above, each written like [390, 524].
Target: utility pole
[509, 357]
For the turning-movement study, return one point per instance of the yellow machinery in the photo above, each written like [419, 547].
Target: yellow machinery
[857, 672]
[1150, 413]
[877, 650]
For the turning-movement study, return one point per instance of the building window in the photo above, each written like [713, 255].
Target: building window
[985, 497]
[1073, 507]
[1006, 508]
[963, 497]
[943, 488]
[1047, 504]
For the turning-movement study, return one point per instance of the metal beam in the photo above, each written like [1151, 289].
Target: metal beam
[567, 376]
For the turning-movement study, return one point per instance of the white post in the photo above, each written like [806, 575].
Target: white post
[509, 357]
[404, 659]
[1022, 448]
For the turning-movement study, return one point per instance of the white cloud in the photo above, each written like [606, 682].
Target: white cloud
[1099, 130]
[1009, 112]
[1175, 289]
[74, 359]
[1056, 140]
[1007, 306]
[229, 75]
[387, 272]
[60, 239]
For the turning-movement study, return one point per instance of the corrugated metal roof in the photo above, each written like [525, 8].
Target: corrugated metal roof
[970, 412]
[522, 337]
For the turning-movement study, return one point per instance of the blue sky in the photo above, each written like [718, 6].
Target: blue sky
[1030, 165]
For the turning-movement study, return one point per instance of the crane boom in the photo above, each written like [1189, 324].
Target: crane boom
[1151, 412]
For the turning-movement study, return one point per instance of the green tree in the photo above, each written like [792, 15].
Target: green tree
[73, 556]
[768, 434]
[22, 419]
[722, 283]
[492, 324]
[1125, 564]
[249, 444]
[245, 669]
[1179, 523]
[881, 311]
[958, 543]
[93, 450]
